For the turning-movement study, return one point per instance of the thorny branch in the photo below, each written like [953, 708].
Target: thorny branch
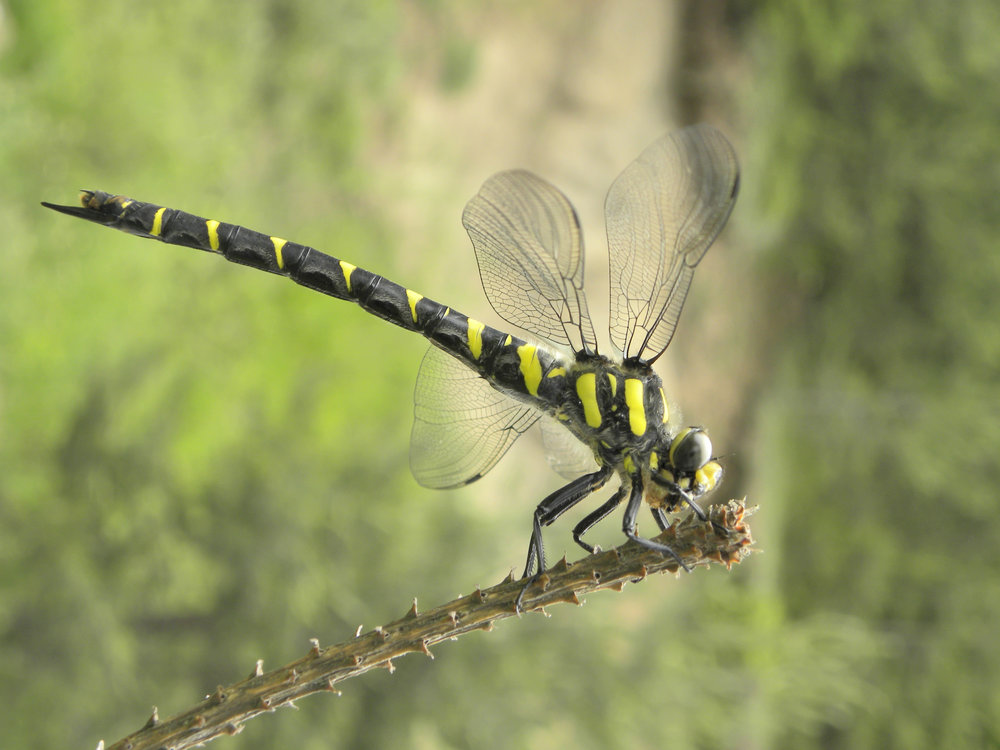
[227, 709]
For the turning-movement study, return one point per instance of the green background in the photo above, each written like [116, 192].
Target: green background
[201, 465]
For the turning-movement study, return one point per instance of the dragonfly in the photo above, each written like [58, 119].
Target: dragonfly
[479, 388]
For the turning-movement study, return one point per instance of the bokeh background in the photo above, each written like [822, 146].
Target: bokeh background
[202, 465]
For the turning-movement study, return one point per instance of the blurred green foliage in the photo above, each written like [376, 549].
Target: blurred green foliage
[873, 127]
[201, 466]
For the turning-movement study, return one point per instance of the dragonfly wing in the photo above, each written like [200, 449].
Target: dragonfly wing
[566, 454]
[462, 425]
[663, 212]
[530, 252]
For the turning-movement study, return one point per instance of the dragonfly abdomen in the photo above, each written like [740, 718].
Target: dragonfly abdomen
[511, 364]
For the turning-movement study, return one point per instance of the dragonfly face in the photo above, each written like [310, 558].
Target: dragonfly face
[689, 471]
[480, 388]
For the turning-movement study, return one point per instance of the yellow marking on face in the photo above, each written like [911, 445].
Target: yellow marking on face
[476, 338]
[677, 441]
[413, 298]
[531, 368]
[636, 407]
[157, 223]
[556, 372]
[347, 269]
[278, 244]
[586, 389]
[666, 407]
[614, 384]
[213, 234]
[708, 475]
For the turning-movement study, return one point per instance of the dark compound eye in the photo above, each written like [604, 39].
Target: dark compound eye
[690, 450]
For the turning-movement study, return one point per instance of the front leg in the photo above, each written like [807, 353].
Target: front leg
[630, 520]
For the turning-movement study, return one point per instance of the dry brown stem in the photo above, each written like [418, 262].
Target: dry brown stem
[227, 709]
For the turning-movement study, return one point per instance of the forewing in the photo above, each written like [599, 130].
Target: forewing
[663, 212]
[462, 426]
[530, 253]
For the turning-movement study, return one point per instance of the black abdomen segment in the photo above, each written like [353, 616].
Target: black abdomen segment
[523, 370]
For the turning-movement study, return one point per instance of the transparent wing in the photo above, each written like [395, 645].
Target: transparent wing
[462, 425]
[663, 212]
[530, 253]
[566, 454]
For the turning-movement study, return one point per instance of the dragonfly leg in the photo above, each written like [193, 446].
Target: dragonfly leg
[660, 517]
[629, 526]
[597, 516]
[548, 511]
[686, 497]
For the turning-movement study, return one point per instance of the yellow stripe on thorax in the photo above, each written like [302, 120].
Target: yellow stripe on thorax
[557, 372]
[476, 340]
[586, 390]
[614, 384]
[347, 269]
[629, 463]
[213, 234]
[157, 223]
[278, 244]
[636, 407]
[666, 407]
[413, 298]
[531, 368]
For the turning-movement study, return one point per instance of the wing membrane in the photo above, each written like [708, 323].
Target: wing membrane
[462, 425]
[663, 212]
[566, 454]
[530, 253]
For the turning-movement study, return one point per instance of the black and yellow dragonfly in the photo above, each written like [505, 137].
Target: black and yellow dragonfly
[479, 388]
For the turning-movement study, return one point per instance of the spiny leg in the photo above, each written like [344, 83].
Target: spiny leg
[702, 516]
[554, 506]
[596, 517]
[548, 511]
[660, 516]
[630, 520]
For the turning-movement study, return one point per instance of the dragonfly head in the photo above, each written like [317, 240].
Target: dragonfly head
[683, 464]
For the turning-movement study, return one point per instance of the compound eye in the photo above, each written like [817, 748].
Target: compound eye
[690, 450]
